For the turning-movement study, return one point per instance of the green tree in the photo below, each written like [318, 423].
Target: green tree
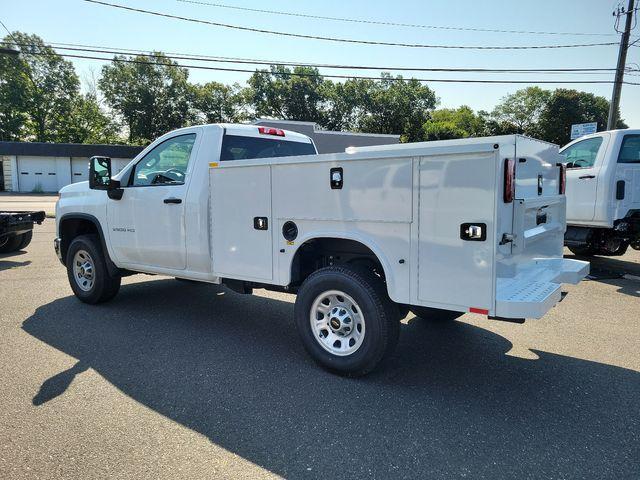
[37, 91]
[566, 107]
[450, 123]
[152, 95]
[293, 94]
[89, 124]
[520, 112]
[393, 105]
[219, 103]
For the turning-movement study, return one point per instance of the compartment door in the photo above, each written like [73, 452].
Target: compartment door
[454, 190]
[241, 223]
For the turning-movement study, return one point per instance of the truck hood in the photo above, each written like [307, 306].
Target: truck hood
[75, 187]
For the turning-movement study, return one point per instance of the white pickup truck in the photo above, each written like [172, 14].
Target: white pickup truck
[440, 228]
[603, 193]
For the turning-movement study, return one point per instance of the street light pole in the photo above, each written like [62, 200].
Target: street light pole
[622, 59]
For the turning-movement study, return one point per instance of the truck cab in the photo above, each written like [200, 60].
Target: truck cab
[603, 192]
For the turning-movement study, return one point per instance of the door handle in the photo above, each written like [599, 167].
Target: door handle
[586, 176]
[172, 200]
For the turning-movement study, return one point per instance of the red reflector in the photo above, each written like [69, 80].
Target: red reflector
[271, 131]
[563, 178]
[509, 177]
[481, 311]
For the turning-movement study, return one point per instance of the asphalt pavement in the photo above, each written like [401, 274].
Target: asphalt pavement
[177, 380]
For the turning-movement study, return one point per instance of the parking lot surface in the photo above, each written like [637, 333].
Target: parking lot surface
[177, 380]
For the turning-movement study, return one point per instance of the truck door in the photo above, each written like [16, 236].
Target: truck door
[455, 190]
[627, 177]
[584, 159]
[241, 223]
[147, 225]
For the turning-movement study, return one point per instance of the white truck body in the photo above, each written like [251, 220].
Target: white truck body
[434, 217]
[603, 191]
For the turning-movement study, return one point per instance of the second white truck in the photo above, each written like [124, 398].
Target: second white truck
[603, 193]
[440, 228]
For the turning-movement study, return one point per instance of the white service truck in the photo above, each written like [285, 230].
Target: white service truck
[440, 228]
[603, 193]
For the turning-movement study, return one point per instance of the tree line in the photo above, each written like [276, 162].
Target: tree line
[137, 98]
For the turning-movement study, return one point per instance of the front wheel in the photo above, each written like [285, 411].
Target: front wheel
[346, 320]
[87, 271]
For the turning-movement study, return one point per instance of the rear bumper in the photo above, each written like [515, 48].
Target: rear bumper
[537, 287]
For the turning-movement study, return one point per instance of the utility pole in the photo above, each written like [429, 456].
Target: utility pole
[622, 59]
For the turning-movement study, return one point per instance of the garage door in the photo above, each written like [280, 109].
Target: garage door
[37, 174]
[79, 169]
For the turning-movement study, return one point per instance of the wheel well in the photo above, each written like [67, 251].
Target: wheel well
[318, 253]
[71, 228]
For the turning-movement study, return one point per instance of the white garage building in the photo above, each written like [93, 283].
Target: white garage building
[47, 167]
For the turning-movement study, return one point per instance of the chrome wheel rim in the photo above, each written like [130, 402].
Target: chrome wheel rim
[83, 270]
[337, 323]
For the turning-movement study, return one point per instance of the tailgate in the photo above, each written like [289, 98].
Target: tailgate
[531, 271]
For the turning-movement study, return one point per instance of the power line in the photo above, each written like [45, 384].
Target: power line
[379, 22]
[237, 60]
[345, 77]
[346, 40]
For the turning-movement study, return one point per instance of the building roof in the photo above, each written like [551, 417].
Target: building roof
[38, 149]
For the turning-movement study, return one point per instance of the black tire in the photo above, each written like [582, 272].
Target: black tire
[380, 316]
[26, 240]
[10, 244]
[586, 251]
[104, 286]
[435, 314]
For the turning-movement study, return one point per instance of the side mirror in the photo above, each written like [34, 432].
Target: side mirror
[100, 177]
[100, 173]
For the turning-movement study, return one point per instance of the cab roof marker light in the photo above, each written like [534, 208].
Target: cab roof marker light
[271, 131]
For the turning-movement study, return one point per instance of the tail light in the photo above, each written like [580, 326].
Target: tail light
[563, 178]
[271, 131]
[509, 177]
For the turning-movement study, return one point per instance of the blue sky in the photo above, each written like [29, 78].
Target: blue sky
[75, 21]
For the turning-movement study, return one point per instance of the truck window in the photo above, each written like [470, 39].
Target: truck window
[630, 149]
[583, 154]
[166, 164]
[237, 147]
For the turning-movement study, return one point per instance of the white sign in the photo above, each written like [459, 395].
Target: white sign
[582, 129]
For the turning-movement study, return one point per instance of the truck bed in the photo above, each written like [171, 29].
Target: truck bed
[408, 205]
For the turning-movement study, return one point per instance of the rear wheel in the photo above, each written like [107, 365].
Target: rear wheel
[346, 320]
[435, 314]
[26, 240]
[10, 244]
[87, 271]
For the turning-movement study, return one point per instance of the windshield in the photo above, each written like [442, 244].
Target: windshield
[236, 147]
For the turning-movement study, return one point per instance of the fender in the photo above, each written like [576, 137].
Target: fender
[111, 267]
[341, 235]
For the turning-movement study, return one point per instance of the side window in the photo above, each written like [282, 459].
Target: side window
[630, 149]
[583, 154]
[166, 164]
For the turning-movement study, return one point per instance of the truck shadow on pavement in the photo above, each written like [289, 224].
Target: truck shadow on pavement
[449, 403]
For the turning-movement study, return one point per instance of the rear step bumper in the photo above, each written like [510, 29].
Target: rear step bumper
[536, 289]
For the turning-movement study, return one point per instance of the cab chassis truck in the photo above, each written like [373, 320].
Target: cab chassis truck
[361, 237]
